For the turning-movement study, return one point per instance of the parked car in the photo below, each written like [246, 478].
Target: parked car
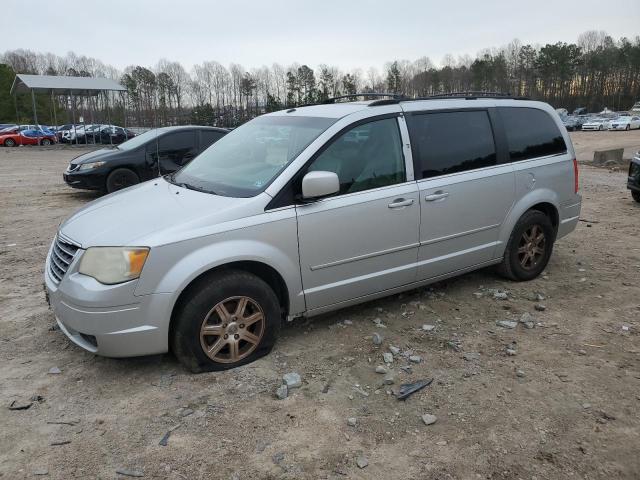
[570, 122]
[580, 111]
[154, 153]
[596, 123]
[625, 123]
[13, 137]
[209, 260]
[112, 135]
[633, 181]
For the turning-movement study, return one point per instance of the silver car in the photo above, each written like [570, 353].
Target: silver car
[309, 210]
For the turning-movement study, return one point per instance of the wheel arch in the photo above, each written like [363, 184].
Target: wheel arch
[265, 272]
[542, 200]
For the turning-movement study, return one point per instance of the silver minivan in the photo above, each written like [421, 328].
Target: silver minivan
[309, 210]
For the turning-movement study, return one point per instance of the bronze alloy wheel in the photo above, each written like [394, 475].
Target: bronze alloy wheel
[232, 329]
[532, 247]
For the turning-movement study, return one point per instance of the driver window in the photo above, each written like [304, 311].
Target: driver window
[365, 157]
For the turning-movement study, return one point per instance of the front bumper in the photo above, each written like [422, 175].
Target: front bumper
[618, 127]
[108, 320]
[86, 180]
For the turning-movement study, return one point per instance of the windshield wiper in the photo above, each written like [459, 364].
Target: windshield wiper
[170, 177]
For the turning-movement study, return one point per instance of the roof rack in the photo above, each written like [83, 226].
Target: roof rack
[395, 97]
[472, 95]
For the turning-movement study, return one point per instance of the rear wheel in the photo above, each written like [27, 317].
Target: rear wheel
[529, 247]
[121, 178]
[9, 142]
[636, 195]
[45, 141]
[227, 319]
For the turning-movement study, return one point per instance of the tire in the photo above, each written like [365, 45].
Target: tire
[121, 178]
[9, 142]
[636, 195]
[517, 264]
[627, 128]
[201, 307]
[45, 141]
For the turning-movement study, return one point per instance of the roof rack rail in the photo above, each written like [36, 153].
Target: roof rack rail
[472, 95]
[395, 97]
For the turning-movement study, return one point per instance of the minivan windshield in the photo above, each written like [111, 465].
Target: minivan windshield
[246, 160]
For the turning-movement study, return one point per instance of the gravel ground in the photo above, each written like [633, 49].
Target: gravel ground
[559, 400]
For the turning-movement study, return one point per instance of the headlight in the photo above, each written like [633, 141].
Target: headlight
[89, 166]
[112, 265]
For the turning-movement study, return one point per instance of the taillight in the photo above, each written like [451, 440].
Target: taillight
[576, 176]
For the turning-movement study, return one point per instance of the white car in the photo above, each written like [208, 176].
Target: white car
[625, 123]
[596, 124]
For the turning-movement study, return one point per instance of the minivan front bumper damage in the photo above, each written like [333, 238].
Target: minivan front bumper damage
[109, 320]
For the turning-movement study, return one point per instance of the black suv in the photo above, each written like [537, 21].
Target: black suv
[633, 182]
[152, 154]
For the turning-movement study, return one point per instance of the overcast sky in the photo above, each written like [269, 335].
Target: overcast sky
[346, 33]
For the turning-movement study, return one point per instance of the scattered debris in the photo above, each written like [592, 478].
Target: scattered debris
[347, 322]
[165, 439]
[352, 421]
[381, 369]
[185, 412]
[540, 307]
[527, 320]
[129, 473]
[292, 380]
[415, 358]
[277, 458]
[282, 392]
[441, 443]
[63, 422]
[500, 295]
[387, 357]
[506, 324]
[429, 419]
[389, 379]
[520, 373]
[455, 345]
[41, 472]
[407, 389]
[471, 356]
[394, 350]
[18, 405]
[362, 462]
[428, 328]
[59, 442]
[377, 339]
[54, 371]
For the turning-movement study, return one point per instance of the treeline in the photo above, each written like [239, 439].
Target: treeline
[595, 72]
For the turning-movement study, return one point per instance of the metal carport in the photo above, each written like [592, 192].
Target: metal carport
[62, 85]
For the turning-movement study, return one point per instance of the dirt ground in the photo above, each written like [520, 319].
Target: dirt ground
[562, 403]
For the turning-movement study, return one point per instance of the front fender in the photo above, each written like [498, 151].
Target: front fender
[170, 270]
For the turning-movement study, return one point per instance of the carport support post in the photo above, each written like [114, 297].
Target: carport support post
[55, 115]
[35, 114]
[73, 116]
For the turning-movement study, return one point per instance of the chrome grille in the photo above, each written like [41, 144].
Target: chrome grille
[61, 257]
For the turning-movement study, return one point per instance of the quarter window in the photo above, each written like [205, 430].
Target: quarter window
[450, 142]
[365, 157]
[531, 133]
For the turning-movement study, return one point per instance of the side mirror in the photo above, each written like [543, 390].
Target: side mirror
[319, 184]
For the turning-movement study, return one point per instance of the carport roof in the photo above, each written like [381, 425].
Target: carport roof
[62, 85]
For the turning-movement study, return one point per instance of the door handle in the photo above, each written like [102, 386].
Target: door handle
[436, 196]
[401, 202]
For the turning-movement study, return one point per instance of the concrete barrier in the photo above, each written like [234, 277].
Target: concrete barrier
[608, 157]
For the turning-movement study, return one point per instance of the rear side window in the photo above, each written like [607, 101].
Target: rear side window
[531, 133]
[450, 142]
[208, 138]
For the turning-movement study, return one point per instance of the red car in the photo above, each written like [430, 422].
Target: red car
[11, 137]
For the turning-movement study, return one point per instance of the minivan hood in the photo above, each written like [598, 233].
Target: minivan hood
[94, 156]
[130, 217]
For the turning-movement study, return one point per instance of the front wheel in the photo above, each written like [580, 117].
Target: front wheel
[227, 319]
[636, 195]
[121, 178]
[529, 247]
[9, 142]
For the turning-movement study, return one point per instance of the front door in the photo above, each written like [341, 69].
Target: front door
[173, 150]
[364, 239]
[465, 193]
